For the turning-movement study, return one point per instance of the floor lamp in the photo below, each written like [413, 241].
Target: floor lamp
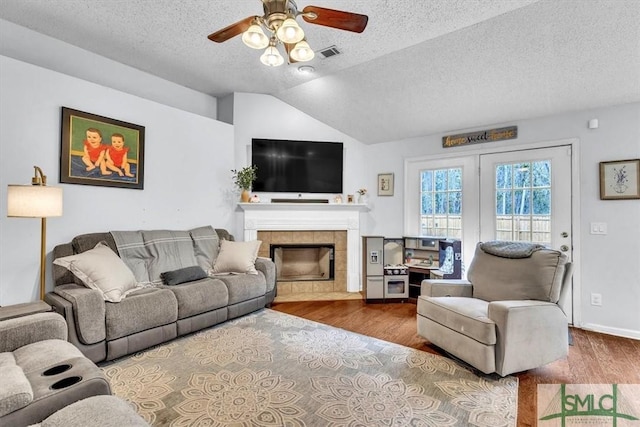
[36, 201]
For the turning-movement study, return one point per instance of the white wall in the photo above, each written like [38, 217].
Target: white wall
[609, 264]
[186, 178]
[263, 116]
[28, 46]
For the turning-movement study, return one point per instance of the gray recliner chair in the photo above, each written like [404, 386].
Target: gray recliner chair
[40, 371]
[505, 318]
[101, 410]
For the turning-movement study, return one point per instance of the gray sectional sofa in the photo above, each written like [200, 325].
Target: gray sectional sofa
[111, 324]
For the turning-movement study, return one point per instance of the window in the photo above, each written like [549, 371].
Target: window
[523, 202]
[441, 203]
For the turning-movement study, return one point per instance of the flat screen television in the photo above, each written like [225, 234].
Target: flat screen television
[286, 166]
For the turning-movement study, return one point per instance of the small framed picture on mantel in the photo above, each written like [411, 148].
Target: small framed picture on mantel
[385, 184]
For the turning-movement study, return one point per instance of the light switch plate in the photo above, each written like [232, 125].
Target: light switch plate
[598, 228]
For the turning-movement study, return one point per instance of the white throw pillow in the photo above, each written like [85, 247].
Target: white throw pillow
[101, 269]
[237, 257]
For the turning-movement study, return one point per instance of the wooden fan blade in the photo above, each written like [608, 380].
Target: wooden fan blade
[232, 30]
[336, 19]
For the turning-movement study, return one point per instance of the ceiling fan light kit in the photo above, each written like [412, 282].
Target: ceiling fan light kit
[255, 38]
[271, 57]
[279, 19]
[302, 52]
[290, 31]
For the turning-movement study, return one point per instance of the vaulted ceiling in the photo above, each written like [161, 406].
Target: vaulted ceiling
[420, 67]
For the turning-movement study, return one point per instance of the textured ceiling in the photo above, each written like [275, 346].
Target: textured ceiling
[420, 67]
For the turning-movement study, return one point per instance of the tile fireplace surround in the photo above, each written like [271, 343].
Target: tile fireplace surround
[313, 221]
[338, 239]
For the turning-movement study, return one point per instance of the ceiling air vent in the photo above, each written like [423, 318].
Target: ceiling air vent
[328, 52]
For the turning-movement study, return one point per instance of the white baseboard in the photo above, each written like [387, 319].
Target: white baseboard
[626, 333]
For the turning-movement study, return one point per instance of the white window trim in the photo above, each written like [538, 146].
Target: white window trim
[470, 202]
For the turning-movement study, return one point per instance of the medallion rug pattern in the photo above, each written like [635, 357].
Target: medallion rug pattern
[272, 369]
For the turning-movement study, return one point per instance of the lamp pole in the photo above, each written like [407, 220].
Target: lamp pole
[43, 255]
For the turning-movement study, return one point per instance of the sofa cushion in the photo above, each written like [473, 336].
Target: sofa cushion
[101, 269]
[141, 310]
[206, 245]
[237, 257]
[84, 242]
[88, 311]
[20, 331]
[7, 359]
[268, 268]
[244, 287]
[103, 411]
[200, 296]
[16, 391]
[149, 253]
[467, 316]
[538, 277]
[38, 356]
[183, 275]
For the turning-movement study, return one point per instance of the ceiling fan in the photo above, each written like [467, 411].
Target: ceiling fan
[279, 20]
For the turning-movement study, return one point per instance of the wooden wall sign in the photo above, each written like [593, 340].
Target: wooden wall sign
[490, 135]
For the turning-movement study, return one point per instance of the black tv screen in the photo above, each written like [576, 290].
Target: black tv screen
[286, 166]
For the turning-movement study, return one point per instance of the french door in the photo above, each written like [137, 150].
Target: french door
[526, 196]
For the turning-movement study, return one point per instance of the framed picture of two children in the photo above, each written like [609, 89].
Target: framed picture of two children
[97, 150]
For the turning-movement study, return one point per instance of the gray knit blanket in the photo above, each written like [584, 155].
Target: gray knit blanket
[149, 253]
[506, 249]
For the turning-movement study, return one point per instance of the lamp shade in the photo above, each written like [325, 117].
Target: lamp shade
[271, 57]
[302, 52]
[33, 201]
[255, 38]
[290, 31]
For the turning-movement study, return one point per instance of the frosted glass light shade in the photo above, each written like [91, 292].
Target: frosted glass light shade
[271, 57]
[34, 201]
[290, 31]
[255, 38]
[302, 52]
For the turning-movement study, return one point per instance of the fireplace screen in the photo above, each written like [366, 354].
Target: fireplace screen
[303, 262]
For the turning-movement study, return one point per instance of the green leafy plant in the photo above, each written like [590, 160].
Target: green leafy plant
[243, 178]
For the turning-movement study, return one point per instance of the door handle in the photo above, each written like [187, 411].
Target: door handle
[564, 234]
[564, 248]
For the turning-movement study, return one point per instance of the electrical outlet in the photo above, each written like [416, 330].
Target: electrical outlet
[596, 299]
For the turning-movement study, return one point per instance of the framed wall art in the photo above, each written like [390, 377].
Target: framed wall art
[385, 184]
[620, 179]
[97, 150]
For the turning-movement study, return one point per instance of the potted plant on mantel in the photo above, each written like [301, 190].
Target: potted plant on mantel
[243, 179]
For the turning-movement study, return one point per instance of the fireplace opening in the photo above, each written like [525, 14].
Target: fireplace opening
[301, 262]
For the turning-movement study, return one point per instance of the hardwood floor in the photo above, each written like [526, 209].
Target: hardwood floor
[593, 357]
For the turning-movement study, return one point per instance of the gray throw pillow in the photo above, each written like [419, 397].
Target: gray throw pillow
[182, 275]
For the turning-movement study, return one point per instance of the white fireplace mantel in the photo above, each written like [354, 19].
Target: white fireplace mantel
[306, 217]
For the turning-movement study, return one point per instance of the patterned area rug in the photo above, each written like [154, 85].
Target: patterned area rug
[273, 369]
